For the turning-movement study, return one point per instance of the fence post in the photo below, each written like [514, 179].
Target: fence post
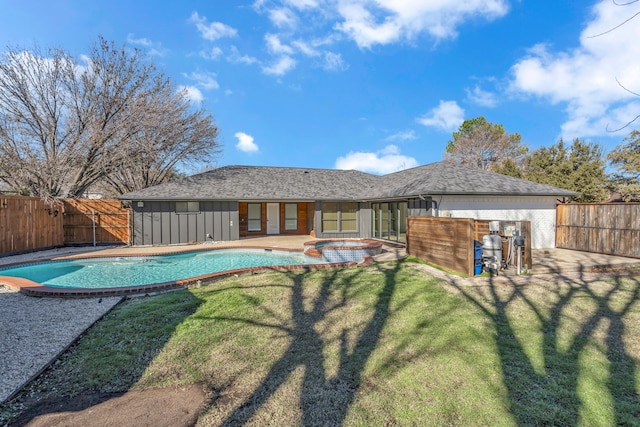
[93, 220]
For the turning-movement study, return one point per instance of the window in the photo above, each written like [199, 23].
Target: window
[348, 213]
[339, 217]
[291, 216]
[329, 217]
[187, 207]
[254, 217]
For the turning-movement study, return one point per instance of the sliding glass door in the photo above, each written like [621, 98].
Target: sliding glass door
[389, 221]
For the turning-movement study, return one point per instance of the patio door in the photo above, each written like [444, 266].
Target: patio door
[389, 221]
[273, 218]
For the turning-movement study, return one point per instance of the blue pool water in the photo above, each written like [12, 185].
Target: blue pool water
[137, 271]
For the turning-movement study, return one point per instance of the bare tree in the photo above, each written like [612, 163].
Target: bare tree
[168, 133]
[66, 125]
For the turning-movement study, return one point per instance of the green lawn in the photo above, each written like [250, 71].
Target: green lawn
[374, 346]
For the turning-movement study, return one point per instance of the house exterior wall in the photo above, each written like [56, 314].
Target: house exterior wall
[157, 223]
[365, 220]
[419, 207]
[303, 209]
[540, 210]
[363, 224]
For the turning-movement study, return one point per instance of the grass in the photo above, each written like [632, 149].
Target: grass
[414, 260]
[380, 345]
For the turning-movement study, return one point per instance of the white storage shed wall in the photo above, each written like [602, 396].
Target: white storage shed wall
[540, 210]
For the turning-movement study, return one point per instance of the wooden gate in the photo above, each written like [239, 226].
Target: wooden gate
[96, 221]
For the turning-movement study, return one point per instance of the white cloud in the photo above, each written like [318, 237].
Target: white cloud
[205, 80]
[282, 66]
[213, 53]
[152, 48]
[405, 135]
[282, 17]
[193, 94]
[385, 161]
[275, 46]
[237, 58]
[331, 61]
[584, 78]
[214, 30]
[371, 22]
[334, 62]
[305, 48]
[447, 116]
[245, 143]
[481, 97]
[302, 4]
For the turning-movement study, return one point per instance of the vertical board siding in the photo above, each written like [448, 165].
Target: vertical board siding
[156, 222]
[27, 224]
[611, 228]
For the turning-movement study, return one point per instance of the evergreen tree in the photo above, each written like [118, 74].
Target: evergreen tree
[508, 167]
[484, 145]
[578, 168]
[626, 159]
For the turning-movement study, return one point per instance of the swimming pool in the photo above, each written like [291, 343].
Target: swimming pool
[117, 272]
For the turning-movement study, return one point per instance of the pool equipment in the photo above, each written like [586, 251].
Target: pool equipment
[492, 249]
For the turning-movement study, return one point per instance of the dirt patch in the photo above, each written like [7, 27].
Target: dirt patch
[178, 406]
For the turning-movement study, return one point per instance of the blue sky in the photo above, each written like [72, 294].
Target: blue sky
[374, 85]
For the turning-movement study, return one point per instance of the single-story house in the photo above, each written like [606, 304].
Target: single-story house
[232, 202]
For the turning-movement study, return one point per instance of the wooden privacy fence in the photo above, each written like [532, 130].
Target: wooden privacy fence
[27, 223]
[102, 221]
[606, 228]
[449, 242]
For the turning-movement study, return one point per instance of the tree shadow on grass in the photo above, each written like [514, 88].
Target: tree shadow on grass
[582, 314]
[323, 400]
[107, 360]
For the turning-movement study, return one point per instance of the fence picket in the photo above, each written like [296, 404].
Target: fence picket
[607, 228]
[28, 223]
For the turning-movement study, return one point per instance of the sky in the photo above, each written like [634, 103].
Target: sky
[372, 85]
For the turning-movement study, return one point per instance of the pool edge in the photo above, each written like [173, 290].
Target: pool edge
[35, 289]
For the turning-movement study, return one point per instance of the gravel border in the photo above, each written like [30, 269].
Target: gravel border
[34, 331]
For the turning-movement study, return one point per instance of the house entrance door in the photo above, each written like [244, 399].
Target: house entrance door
[273, 218]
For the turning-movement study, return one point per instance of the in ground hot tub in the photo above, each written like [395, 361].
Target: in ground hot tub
[343, 250]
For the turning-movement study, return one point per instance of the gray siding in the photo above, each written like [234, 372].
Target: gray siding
[157, 223]
[419, 207]
[365, 220]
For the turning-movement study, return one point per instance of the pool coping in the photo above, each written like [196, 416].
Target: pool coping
[35, 289]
